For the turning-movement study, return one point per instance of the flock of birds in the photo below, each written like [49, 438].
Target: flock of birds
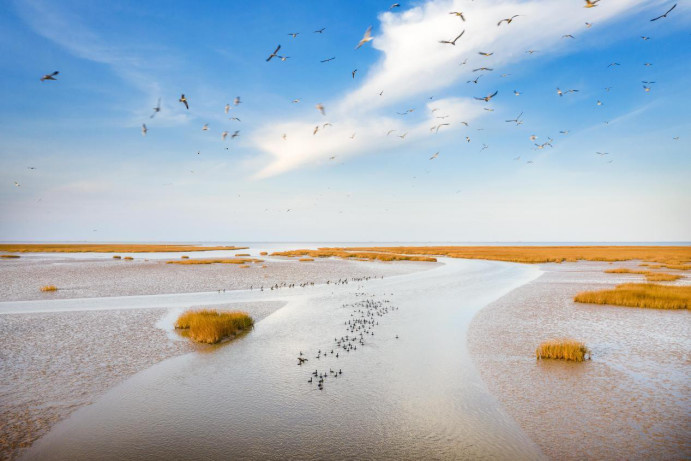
[366, 38]
[359, 329]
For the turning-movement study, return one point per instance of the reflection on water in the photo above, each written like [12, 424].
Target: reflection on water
[417, 396]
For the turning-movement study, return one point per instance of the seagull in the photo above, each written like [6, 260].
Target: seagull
[439, 126]
[488, 97]
[183, 100]
[395, 5]
[50, 76]
[465, 123]
[237, 100]
[483, 68]
[327, 60]
[646, 88]
[508, 20]
[453, 42]
[475, 81]
[389, 132]
[327, 124]
[353, 73]
[235, 134]
[564, 132]
[365, 38]
[320, 31]
[283, 58]
[588, 25]
[590, 3]
[531, 51]
[567, 36]
[295, 101]
[294, 34]
[316, 128]
[602, 153]
[227, 108]
[614, 64]
[504, 75]
[516, 93]
[224, 135]
[31, 168]
[664, 15]
[645, 38]
[403, 135]
[333, 157]
[517, 120]
[533, 137]
[285, 136]
[205, 127]
[157, 109]
[647, 64]
[274, 53]
[459, 14]
[599, 103]
[144, 129]
[482, 53]
[467, 139]
[320, 108]
[436, 154]
[235, 119]
[17, 184]
[352, 136]
[484, 146]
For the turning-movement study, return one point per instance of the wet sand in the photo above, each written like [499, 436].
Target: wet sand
[631, 401]
[53, 363]
[90, 278]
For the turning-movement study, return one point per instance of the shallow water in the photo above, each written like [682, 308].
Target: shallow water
[417, 396]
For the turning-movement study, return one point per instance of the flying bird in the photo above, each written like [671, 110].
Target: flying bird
[459, 14]
[436, 154]
[395, 5]
[488, 97]
[483, 68]
[353, 72]
[224, 135]
[567, 36]
[295, 101]
[144, 129]
[294, 34]
[475, 81]
[320, 108]
[50, 76]
[205, 127]
[389, 132]
[590, 3]
[235, 119]
[588, 25]
[614, 64]
[365, 38]
[316, 128]
[183, 100]
[453, 42]
[157, 109]
[482, 53]
[645, 38]
[508, 20]
[327, 60]
[403, 135]
[235, 134]
[237, 100]
[227, 108]
[275, 53]
[664, 15]
[436, 128]
[531, 51]
[517, 93]
[517, 120]
[17, 184]
[320, 31]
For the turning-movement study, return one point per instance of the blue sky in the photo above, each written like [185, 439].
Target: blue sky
[97, 177]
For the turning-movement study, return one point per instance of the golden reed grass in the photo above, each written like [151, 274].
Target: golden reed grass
[184, 257]
[128, 258]
[264, 253]
[49, 288]
[563, 349]
[211, 326]
[668, 255]
[649, 275]
[242, 254]
[648, 295]
[347, 254]
[105, 248]
[214, 261]
[9, 256]
[305, 259]
[117, 257]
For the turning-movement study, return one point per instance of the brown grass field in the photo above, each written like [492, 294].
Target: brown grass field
[563, 349]
[10, 256]
[105, 248]
[649, 275]
[648, 295]
[49, 288]
[347, 254]
[211, 326]
[673, 257]
[214, 261]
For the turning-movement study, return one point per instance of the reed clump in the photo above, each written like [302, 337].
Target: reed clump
[650, 276]
[242, 254]
[647, 295]
[9, 256]
[305, 259]
[106, 248]
[563, 349]
[49, 288]
[348, 254]
[211, 326]
[263, 253]
[128, 258]
[117, 257]
[184, 257]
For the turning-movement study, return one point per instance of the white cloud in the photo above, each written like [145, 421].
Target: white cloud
[414, 63]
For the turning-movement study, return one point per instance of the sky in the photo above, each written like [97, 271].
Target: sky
[608, 162]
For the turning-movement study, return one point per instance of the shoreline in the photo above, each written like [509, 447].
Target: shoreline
[630, 401]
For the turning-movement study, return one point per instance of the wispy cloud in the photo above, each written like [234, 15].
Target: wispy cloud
[413, 63]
